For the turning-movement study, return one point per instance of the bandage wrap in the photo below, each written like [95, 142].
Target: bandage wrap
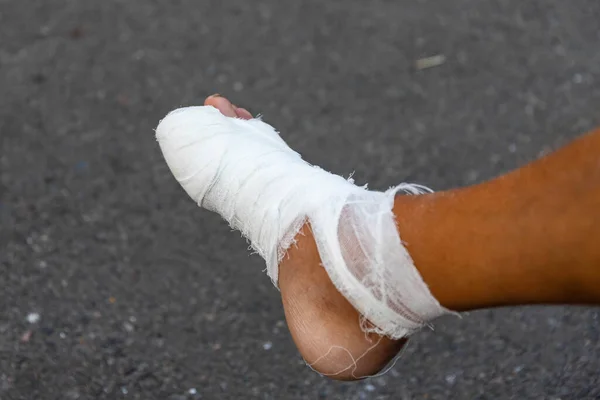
[244, 171]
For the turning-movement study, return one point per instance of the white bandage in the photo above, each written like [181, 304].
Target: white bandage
[244, 171]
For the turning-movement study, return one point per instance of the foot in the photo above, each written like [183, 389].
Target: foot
[323, 324]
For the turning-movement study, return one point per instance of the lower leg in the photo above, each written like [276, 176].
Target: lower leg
[529, 237]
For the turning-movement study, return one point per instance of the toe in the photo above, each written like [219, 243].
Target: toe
[243, 113]
[222, 104]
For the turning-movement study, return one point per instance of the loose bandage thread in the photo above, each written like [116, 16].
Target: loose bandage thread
[244, 171]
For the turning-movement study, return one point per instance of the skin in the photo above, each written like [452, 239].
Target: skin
[528, 237]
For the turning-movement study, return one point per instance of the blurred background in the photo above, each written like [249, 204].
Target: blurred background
[114, 285]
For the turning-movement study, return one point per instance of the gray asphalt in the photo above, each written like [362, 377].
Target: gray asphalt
[141, 295]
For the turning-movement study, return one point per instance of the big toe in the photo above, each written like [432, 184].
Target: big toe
[226, 107]
[221, 104]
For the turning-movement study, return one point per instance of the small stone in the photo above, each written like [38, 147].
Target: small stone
[128, 327]
[430, 62]
[451, 379]
[33, 318]
[124, 390]
[369, 387]
[518, 369]
[267, 345]
[192, 391]
[62, 335]
[512, 147]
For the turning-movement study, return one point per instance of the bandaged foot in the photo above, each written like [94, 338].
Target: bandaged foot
[243, 170]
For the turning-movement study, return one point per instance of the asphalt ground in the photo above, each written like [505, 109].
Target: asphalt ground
[141, 295]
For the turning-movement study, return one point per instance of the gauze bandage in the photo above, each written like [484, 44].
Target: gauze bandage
[244, 171]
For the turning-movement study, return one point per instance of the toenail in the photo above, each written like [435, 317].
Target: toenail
[215, 95]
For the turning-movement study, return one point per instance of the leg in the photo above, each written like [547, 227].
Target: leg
[528, 237]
